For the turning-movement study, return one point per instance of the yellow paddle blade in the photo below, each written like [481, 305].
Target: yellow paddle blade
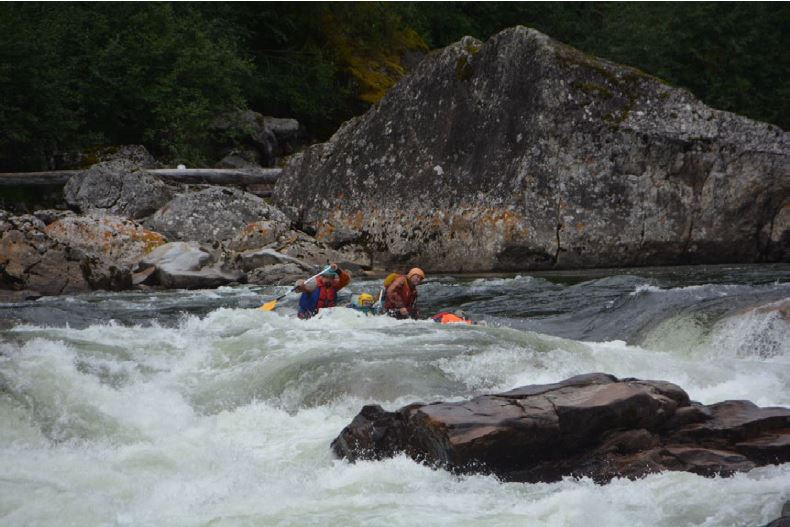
[268, 306]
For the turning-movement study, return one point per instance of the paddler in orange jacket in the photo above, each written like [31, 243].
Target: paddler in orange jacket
[401, 294]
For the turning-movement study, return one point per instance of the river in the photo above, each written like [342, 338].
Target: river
[191, 408]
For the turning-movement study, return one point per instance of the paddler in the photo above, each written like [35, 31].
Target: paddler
[363, 303]
[321, 292]
[400, 296]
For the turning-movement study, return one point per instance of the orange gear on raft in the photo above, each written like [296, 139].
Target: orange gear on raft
[449, 318]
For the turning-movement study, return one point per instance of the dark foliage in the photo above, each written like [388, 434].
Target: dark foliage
[74, 75]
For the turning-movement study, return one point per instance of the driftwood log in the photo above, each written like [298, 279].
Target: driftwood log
[212, 176]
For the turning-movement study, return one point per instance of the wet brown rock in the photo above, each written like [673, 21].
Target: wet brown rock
[591, 425]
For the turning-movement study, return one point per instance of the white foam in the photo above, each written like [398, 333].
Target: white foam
[227, 419]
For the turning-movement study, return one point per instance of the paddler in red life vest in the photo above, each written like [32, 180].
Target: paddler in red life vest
[322, 292]
[401, 294]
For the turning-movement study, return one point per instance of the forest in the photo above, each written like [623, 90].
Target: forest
[78, 75]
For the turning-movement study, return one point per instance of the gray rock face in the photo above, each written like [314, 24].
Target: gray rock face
[524, 153]
[213, 214]
[117, 187]
[181, 265]
[590, 425]
[259, 234]
[256, 258]
[277, 274]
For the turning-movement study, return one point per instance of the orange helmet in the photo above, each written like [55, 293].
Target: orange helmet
[416, 271]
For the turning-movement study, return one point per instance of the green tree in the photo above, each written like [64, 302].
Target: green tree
[114, 73]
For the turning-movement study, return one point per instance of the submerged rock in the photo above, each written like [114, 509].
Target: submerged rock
[591, 425]
[524, 153]
[784, 520]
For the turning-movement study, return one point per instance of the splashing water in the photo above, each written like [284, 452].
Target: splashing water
[190, 408]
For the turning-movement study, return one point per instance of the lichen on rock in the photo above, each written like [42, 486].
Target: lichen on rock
[591, 163]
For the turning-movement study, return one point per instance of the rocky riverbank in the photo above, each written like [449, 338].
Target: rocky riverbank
[515, 154]
[126, 228]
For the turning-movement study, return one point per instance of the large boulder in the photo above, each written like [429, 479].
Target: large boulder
[293, 255]
[119, 187]
[522, 152]
[110, 246]
[72, 253]
[591, 425]
[113, 238]
[214, 214]
[31, 260]
[258, 234]
[181, 265]
[784, 520]
[286, 273]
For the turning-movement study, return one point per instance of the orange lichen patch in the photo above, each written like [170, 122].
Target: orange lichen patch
[325, 231]
[357, 220]
[106, 235]
[250, 228]
[151, 240]
[258, 228]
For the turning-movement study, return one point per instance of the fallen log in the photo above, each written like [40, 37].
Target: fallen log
[219, 176]
[56, 177]
[211, 176]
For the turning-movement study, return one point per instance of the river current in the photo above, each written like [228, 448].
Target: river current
[192, 408]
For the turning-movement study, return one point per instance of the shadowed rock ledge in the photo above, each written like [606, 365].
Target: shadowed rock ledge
[591, 425]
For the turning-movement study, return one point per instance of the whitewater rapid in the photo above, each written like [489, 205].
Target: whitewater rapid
[194, 408]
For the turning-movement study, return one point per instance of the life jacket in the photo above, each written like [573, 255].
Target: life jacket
[449, 318]
[327, 296]
[405, 291]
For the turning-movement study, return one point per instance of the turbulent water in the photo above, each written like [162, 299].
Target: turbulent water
[192, 409]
